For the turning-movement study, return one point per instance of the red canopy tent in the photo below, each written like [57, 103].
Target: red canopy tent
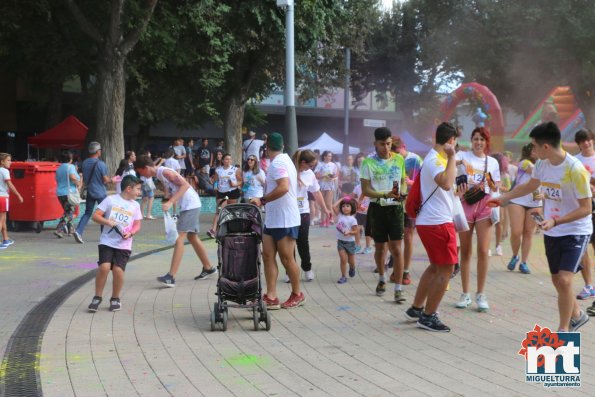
[69, 134]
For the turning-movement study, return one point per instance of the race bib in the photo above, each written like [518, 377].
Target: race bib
[551, 191]
[384, 202]
[300, 202]
[121, 216]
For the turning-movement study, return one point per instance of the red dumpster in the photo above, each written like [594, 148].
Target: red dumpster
[36, 182]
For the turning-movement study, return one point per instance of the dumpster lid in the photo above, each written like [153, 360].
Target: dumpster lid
[34, 166]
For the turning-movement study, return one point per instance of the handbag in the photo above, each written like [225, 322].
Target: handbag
[74, 198]
[477, 192]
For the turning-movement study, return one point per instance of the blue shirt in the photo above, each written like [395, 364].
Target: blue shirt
[62, 179]
[95, 186]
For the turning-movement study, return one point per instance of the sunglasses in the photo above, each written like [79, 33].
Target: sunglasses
[251, 159]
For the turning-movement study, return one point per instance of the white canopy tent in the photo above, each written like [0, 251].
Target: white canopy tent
[326, 142]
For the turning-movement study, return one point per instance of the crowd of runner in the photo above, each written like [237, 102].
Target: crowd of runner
[364, 200]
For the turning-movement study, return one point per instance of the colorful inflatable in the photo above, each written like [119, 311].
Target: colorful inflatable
[490, 112]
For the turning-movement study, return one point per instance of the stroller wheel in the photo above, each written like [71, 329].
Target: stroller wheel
[268, 321]
[224, 320]
[213, 321]
[255, 317]
[263, 311]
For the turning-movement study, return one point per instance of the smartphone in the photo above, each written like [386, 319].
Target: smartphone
[461, 179]
[537, 218]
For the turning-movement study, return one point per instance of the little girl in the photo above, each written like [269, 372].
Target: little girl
[5, 186]
[346, 230]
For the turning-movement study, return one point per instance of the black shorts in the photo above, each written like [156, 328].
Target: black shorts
[361, 219]
[231, 195]
[386, 222]
[565, 253]
[368, 224]
[592, 240]
[113, 256]
[311, 197]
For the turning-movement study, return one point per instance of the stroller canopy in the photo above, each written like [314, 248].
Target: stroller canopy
[239, 218]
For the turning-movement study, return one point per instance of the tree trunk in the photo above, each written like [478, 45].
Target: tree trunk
[233, 118]
[111, 86]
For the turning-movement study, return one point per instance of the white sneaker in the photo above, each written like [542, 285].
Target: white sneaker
[489, 252]
[309, 275]
[499, 251]
[286, 279]
[464, 301]
[482, 303]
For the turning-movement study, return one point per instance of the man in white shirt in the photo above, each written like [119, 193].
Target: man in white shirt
[567, 226]
[436, 229]
[282, 224]
[251, 147]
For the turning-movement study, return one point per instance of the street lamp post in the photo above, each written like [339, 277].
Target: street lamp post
[291, 143]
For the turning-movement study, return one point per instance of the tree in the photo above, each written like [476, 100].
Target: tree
[179, 65]
[39, 45]
[521, 50]
[115, 30]
[322, 30]
[406, 57]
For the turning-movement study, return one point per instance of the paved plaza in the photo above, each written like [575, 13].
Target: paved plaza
[345, 341]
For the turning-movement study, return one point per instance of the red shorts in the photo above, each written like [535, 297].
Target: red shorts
[478, 211]
[3, 204]
[440, 242]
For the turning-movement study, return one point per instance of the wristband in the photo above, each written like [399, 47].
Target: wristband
[263, 201]
[555, 222]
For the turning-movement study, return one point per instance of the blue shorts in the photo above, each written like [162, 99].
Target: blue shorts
[347, 246]
[148, 193]
[565, 253]
[277, 233]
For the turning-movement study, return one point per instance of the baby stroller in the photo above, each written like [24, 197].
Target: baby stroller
[239, 236]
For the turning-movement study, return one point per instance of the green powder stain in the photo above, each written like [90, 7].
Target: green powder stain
[246, 360]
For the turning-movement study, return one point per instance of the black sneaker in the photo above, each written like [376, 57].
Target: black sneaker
[206, 273]
[95, 302]
[380, 288]
[167, 280]
[432, 323]
[591, 310]
[115, 305]
[414, 314]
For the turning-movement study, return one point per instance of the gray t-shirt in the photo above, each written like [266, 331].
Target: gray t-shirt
[180, 151]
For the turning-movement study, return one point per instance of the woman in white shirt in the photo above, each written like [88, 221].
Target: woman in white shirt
[307, 183]
[228, 182]
[327, 173]
[522, 225]
[483, 173]
[254, 179]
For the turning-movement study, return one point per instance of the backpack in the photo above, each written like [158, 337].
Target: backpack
[413, 204]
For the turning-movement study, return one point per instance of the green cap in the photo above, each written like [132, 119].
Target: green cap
[275, 142]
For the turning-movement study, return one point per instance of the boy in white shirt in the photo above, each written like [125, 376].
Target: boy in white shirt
[567, 216]
[121, 217]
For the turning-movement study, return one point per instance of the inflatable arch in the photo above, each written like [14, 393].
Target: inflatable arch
[489, 106]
